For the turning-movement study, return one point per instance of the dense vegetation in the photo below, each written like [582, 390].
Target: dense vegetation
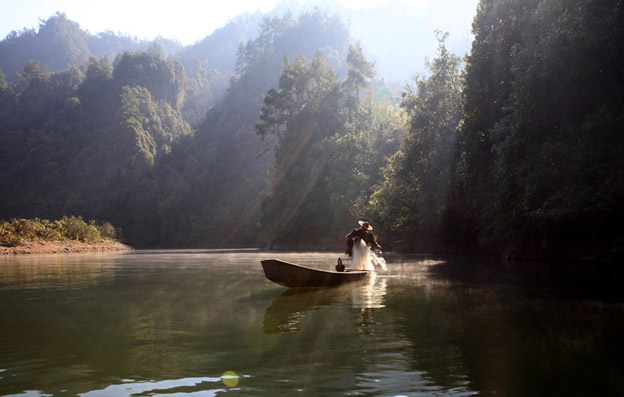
[18, 231]
[330, 141]
[61, 44]
[541, 151]
[518, 149]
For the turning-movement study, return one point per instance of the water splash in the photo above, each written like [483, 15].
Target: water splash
[378, 260]
[365, 258]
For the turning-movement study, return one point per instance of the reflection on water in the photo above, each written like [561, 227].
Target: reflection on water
[187, 386]
[287, 311]
[208, 322]
[53, 271]
[370, 294]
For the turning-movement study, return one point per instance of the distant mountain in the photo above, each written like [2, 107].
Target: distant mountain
[212, 182]
[397, 35]
[218, 50]
[171, 156]
[60, 44]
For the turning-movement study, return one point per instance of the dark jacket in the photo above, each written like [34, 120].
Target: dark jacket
[365, 235]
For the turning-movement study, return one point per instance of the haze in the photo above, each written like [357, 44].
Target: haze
[397, 34]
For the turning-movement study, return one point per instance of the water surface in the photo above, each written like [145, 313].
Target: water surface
[208, 322]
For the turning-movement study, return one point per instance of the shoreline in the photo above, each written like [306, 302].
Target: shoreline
[63, 247]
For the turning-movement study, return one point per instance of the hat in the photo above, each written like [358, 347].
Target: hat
[365, 225]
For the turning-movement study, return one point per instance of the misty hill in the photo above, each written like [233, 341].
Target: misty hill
[218, 50]
[517, 149]
[59, 44]
[114, 140]
[212, 182]
[397, 36]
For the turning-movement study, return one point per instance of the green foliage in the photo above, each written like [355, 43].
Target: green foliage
[413, 198]
[3, 83]
[61, 44]
[211, 183]
[220, 50]
[535, 169]
[329, 147]
[18, 231]
[97, 79]
[107, 231]
[522, 152]
[115, 141]
[204, 89]
[69, 139]
[360, 70]
[164, 79]
[540, 155]
[73, 228]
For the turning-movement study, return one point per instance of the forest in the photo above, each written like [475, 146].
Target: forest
[288, 137]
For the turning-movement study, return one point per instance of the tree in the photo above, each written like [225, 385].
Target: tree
[239, 68]
[330, 147]
[360, 70]
[164, 78]
[3, 83]
[219, 173]
[538, 139]
[414, 196]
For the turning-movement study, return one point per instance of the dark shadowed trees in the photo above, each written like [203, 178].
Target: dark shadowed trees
[414, 197]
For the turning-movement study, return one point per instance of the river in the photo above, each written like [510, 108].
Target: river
[208, 322]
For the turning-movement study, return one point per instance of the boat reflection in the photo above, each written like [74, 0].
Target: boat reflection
[287, 311]
[370, 295]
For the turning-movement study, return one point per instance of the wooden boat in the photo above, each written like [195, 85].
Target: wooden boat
[292, 275]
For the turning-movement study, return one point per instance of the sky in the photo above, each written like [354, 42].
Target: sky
[184, 20]
[402, 36]
[399, 33]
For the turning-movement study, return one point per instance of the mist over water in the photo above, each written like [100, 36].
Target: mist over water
[366, 258]
[207, 322]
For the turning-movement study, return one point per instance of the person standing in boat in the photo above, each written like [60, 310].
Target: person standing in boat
[363, 232]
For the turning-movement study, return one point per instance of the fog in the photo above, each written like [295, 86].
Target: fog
[400, 34]
[397, 34]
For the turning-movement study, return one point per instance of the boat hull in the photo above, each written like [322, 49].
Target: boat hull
[296, 276]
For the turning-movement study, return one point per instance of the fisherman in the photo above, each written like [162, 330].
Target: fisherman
[363, 232]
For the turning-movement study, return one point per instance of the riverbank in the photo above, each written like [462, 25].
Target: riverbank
[63, 247]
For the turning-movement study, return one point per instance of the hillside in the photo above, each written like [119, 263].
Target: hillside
[515, 149]
[114, 141]
[59, 44]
